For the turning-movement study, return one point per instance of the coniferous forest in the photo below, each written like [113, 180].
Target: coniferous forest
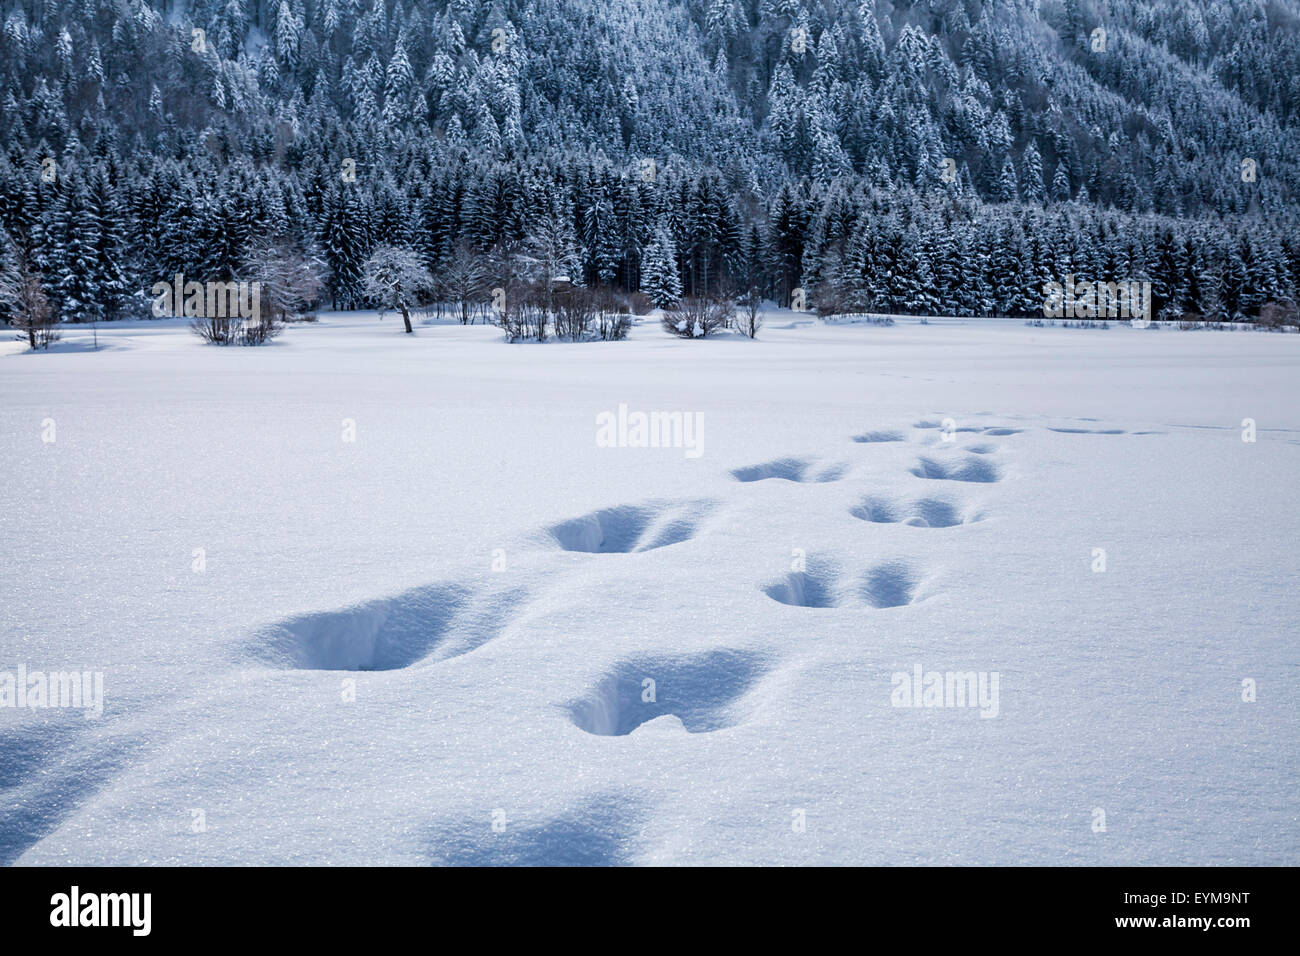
[938, 157]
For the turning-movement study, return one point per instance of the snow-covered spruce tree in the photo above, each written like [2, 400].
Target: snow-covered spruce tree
[395, 277]
[1006, 190]
[1031, 176]
[71, 260]
[345, 241]
[659, 278]
[112, 287]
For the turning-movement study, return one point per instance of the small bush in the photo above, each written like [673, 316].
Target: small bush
[579, 314]
[696, 318]
[1277, 315]
[216, 330]
[260, 332]
[575, 313]
[232, 330]
[613, 327]
[640, 303]
[524, 316]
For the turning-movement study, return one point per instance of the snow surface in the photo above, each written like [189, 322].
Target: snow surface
[515, 695]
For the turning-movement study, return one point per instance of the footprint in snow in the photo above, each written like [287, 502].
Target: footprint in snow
[700, 691]
[918, 512]
[968, 468]
[628, 528]
[790, 469]
[436, 621]
[824, 585]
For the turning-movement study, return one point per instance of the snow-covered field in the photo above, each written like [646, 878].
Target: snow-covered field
[430, 644]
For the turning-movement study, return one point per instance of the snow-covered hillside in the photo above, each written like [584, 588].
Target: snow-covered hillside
[363, 597]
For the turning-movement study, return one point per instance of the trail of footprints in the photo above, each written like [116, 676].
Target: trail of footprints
[704, 693]
[697, 693]
[646, 693]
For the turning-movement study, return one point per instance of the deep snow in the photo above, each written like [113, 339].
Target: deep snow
[336, 569]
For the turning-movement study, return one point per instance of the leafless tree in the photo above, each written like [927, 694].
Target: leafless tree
[21, 293]
[396, 277]
[464, 279]
[291, 280]
[549, 255]
[750, 317]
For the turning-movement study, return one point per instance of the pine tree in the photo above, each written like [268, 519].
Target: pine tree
[659, 278]
[601, 241]
[1031, 176]
[785, 237]
[71, 261]
[109, 278]
[398, 83]
[1006, 189]
[345, 243]
[1061, 184]
[288, 37]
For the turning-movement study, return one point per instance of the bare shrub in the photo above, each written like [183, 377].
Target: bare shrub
[524, 315]
[1278, 315]
[579, 315]
[261, 330]
[750, 317]
[696, 318]
[612, 315]
[639, 303]
[234, 330]
[24, 298]
[217, 329]
[575, 313]
[613, 326]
